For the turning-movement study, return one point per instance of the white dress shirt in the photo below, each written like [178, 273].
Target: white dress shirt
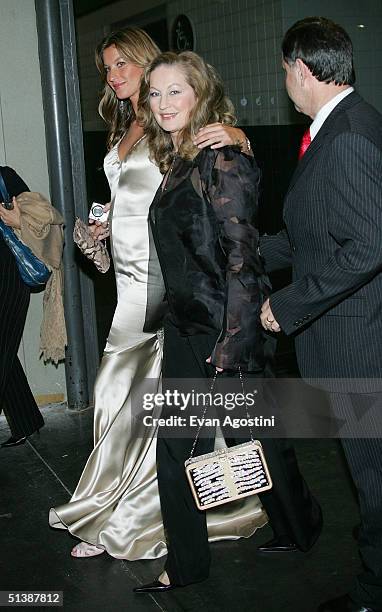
[325, 111]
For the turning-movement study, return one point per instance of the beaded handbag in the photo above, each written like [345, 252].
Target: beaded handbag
[227, 474]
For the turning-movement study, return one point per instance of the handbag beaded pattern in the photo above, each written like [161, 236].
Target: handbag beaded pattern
[227, 474]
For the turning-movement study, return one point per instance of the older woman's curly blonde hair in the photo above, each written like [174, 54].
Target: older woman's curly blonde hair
[212, 105]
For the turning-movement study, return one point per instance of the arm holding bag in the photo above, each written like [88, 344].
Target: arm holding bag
[33, 271]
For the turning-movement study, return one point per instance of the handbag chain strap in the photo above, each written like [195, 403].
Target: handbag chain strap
[212, 386]
[3, 189]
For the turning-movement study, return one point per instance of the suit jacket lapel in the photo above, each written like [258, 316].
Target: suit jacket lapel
[326, 128]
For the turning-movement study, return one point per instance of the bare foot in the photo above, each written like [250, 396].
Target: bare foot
[83, 549]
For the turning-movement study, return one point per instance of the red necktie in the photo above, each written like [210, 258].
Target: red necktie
[304, 144]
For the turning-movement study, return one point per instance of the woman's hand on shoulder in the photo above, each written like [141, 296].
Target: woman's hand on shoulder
[100, 231]
[218, 135]
[12, 218]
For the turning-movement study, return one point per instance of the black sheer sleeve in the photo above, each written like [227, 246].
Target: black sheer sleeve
[230, 181]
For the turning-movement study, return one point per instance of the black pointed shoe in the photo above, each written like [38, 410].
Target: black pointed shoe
[14, 441]
[277, 545]
[154, 587]
[344, 604]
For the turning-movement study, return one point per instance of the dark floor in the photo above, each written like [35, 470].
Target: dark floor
[34, 557]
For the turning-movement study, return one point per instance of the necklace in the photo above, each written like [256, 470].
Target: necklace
[169, 173]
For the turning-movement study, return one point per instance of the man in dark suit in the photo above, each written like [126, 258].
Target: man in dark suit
[333, 240]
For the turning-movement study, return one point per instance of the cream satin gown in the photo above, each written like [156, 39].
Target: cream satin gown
[116, 503]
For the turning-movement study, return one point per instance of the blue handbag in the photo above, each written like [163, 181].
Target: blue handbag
[33, 271]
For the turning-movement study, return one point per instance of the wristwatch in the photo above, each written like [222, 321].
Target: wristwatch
[245, 145]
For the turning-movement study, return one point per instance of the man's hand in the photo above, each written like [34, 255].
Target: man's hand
[268, 321]
[217, 135]
[99, 230]
[12, 218]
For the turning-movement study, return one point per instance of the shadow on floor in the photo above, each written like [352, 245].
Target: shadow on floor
[43, 472]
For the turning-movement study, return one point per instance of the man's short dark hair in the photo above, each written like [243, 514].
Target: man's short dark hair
[323, 46]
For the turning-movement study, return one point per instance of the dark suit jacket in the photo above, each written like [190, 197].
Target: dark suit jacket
[333, 239]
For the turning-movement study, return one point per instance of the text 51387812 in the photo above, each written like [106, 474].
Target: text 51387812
[31, 598]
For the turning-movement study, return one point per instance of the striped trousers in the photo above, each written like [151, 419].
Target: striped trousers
[364, 457]
[16, 398]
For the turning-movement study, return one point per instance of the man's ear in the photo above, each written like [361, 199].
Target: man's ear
[303, 71]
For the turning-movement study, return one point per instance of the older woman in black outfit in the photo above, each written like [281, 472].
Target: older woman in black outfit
[202, 219]
[16, 399]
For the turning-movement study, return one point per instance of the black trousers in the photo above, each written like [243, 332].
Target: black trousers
[364, 457]
[290, 507]
[16, 398]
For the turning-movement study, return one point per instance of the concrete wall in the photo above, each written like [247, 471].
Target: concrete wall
[242, 39]
[363, 22]
[22, 146]
[90, 31]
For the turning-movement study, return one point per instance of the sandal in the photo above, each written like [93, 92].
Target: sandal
[83, 549]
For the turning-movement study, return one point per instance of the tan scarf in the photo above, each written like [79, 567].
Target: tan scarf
[42, 231]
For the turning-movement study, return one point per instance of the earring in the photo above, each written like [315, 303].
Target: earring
[121, 106]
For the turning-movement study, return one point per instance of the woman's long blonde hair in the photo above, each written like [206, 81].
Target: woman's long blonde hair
[212, 105]
[136, 47]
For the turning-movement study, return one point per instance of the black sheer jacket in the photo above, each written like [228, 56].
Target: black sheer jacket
[204, 226]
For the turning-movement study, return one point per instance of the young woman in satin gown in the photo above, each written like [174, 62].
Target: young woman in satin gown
[116, 507]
